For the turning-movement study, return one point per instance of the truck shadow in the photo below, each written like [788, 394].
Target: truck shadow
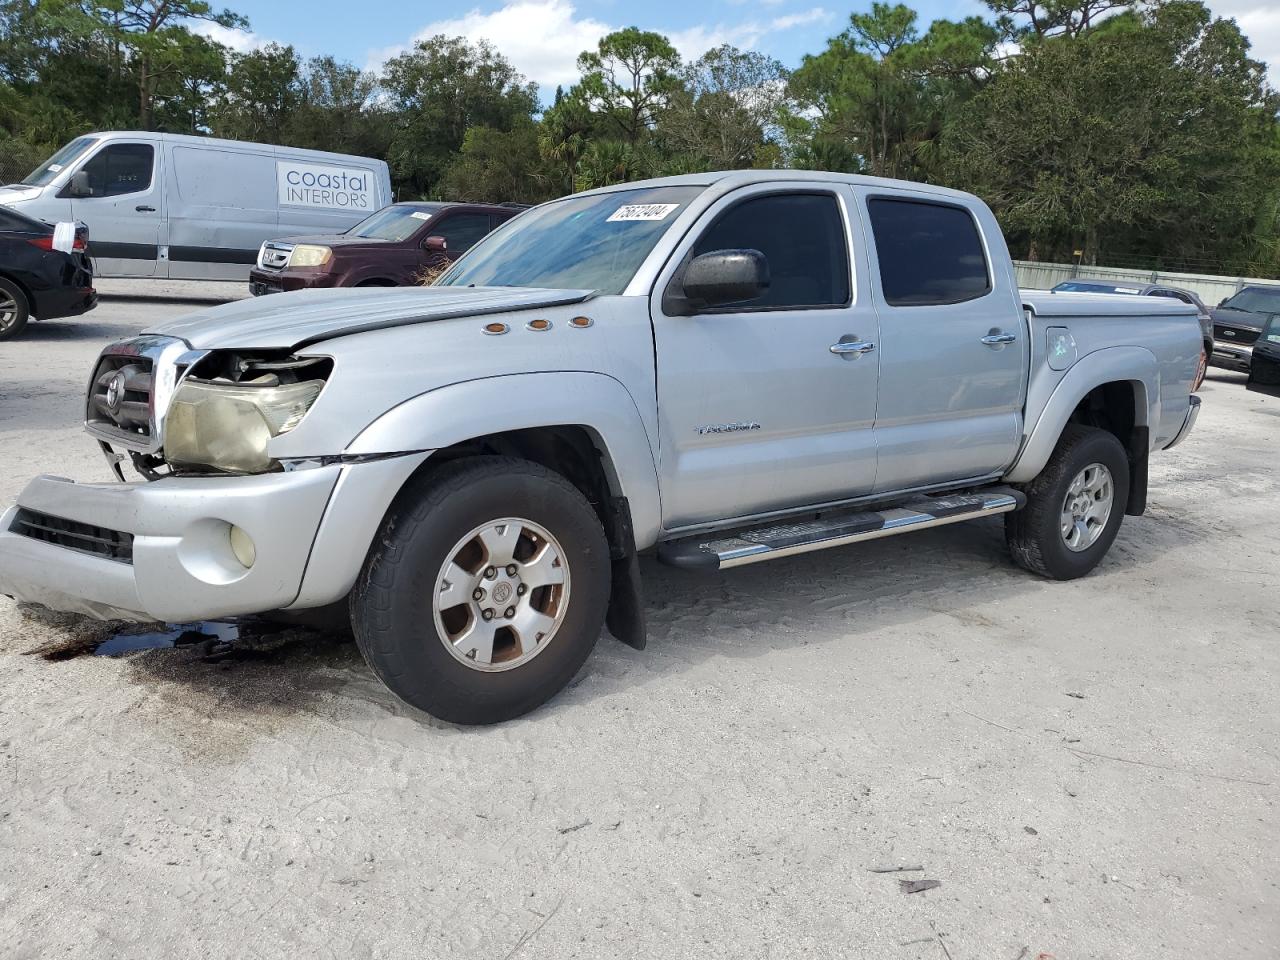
[844, 595]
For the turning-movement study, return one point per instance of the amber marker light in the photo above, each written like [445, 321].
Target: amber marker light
[581, 322]
[539, 325]
[494, 329]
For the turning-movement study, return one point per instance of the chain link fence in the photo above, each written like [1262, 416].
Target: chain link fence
[17, 160]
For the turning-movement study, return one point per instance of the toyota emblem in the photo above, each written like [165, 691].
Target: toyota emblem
[115, 393]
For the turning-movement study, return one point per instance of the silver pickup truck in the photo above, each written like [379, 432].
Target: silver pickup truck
[718, 370]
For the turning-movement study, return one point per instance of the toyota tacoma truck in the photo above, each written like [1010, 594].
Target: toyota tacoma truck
[716, 370]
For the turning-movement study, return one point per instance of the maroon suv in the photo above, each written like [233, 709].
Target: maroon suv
[390, 248]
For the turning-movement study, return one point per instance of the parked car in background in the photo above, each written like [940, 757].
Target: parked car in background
[1264, 364]
[37, 281]
[391, 248]
[1089, 285]
[195, 208]
[1238, 321]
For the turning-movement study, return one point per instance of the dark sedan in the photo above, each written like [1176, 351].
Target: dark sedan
[1237, 323]
[38, 282]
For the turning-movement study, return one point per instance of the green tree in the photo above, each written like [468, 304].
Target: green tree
[629, 78]
[337, 109]
[154, 32]
[877, 98]
[564, 134]
[440, 90]
[496, 166]
[262, 90]
[723, 114]
[1152, 132]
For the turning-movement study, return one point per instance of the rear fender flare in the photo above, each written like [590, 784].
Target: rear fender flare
[1135, 365]
[476, 408]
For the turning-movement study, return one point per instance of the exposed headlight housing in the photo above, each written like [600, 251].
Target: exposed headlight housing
[227, 426]
[309, 255]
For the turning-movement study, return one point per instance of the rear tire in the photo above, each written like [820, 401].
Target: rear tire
[485, 590]
[1063, 532]
[15, 310]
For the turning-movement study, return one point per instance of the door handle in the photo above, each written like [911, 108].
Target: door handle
[850, 348]
[998, 339]
[143, 208]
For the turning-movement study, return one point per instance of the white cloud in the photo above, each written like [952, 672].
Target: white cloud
[695, 41]
[1260, 22]
[241, 41]
[542, 38]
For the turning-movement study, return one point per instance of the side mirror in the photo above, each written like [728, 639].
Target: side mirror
[78, 186]
[720, 278]
[1223, 301]
[434, 244]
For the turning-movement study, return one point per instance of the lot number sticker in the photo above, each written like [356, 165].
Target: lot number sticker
[643, 211]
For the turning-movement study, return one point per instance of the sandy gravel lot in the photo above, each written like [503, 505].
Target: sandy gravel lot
[1090, 769]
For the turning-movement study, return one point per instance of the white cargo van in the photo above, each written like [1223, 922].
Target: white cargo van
[195, 208]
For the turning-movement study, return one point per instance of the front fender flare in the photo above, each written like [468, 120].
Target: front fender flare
[1135, 365]
[475, 408]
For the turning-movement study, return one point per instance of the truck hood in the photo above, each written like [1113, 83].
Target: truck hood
[291, 320]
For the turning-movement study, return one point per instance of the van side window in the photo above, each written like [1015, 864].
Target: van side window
[801, 236]
[120, 168]
[461, 231]
[930, 253]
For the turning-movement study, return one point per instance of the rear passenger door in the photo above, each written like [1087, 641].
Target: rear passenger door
[756, 412]
[953, 341]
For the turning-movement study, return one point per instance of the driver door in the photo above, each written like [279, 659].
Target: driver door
[756, 412]
[124, 210]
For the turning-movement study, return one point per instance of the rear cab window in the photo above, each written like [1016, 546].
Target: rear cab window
[930, 252]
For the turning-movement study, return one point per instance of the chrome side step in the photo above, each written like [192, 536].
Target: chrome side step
[754, 544]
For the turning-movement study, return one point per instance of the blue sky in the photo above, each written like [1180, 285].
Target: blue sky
[543, 37]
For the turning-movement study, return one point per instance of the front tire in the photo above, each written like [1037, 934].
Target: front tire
[1074, 507]
[15, 310]
[485, 590]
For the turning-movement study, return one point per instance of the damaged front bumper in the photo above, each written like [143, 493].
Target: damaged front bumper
[163, 550]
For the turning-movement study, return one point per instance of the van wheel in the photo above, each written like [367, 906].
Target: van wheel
[1074, 507]
[485, 590]
[15, 310]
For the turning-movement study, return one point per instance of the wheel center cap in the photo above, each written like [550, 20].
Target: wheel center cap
[502, 592]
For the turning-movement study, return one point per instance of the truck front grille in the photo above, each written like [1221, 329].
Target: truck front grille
[74, 535]
[274, 255]
[120, 395]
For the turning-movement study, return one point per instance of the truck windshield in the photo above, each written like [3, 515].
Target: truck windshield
[395, 223]
[44, 173]
[1255, 300]
[582, 243]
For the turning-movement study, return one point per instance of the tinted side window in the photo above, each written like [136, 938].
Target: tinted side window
[929, 253]
[120, 168]
[800, 235]
[461, 231]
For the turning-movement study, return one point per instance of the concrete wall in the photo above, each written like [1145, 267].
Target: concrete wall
[1042, 276]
